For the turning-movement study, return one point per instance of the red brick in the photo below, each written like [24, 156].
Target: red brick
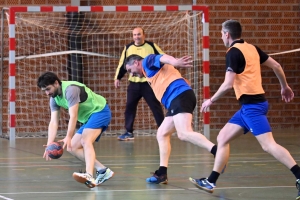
[250, 14]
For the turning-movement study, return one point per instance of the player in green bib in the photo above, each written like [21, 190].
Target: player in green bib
[86, 107]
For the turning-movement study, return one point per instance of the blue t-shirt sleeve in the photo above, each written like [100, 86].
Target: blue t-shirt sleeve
[152, 64]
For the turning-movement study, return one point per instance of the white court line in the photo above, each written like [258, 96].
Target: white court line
[2, 197]
[179, 189]
[94, 191]
[141, 163]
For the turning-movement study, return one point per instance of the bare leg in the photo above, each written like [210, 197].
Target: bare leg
[163, 138]
[269, 145]
[228, 133]
[183, 124]
[78, 152]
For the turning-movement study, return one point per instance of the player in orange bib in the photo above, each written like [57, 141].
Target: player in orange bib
[177, 96]
[243, 74]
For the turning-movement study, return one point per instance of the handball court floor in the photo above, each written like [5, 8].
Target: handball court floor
[251, 174]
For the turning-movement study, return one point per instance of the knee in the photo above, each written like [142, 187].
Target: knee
[221, 139]
[266, 147]
[162, 135]
[182, 136]
[83, 142]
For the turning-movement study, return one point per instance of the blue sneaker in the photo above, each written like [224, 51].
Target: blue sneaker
[298, 187]
[203, 184]
[126, 136]
[162, 179]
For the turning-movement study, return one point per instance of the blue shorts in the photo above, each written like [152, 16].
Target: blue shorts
[98, 120]
[252, 117]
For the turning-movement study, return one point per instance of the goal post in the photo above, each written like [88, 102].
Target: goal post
[87, 47]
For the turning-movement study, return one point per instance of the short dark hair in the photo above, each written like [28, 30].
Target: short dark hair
[130, 59]
[48, 78]
[233, 27]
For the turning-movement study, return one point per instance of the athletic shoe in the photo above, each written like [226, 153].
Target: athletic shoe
[101, 178]
[126, 136]
[203, 184]
[298, 187]
[85, 178]
[157, 179]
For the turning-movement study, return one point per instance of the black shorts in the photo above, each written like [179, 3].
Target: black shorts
[183, 103]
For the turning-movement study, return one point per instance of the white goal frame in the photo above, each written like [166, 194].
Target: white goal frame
[126, 8]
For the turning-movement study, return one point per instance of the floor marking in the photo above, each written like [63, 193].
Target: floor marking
[2, 197]
[42, 168]
[259, 164]
[188, 166]
[143, 190]
[208, 163]
[93, 190]
[140, 167]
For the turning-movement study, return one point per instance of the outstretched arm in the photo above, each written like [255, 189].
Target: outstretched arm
[287, 93]
[185, 61]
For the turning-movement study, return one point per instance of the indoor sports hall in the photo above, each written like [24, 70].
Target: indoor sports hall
[82, 40]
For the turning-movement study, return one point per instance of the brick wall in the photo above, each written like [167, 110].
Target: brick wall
[273, 25]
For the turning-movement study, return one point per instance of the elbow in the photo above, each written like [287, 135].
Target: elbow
[228, 87]
[276, 66]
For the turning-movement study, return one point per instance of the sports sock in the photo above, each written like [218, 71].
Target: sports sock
[162, 170]
[102, 171]
[296, 171]
[213, 177]
[214, 150]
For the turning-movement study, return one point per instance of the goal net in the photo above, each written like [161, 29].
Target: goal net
[86, 46]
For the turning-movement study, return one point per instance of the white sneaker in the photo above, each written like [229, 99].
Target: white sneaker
[85, 178]
[101, 178]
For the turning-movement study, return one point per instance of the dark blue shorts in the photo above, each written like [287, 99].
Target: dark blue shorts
[98, 120]
[252, 117]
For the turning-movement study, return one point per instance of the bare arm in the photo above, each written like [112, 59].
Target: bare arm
[273, 64]
[53, 126]
[286, 92]
[52, 130]
[223, 89]
[73, 112]
[185, 61]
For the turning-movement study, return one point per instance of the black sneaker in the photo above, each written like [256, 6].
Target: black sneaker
[161, 179]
